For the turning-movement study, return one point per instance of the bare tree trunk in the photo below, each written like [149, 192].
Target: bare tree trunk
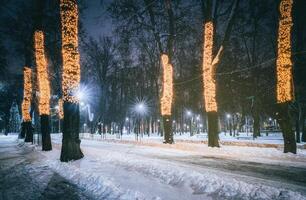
[45, 131]
[283, 119]
[71, 142]
[303, 124]
[23, 131]
[213, 133]
[256, 124]
[168, 134]
[28, 132]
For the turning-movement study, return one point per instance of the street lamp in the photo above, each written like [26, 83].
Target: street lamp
[140, 108]
[228, 116]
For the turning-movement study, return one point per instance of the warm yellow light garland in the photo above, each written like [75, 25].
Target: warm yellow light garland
[71, 58]
[60, 109]
[284, 87]
[27, 94]
[167, 92]
[208, 75]
[42, 74]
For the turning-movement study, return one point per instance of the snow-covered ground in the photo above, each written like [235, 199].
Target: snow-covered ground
[243, 139]
[124, 169]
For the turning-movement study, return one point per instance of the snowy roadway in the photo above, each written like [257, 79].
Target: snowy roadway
[127, 171]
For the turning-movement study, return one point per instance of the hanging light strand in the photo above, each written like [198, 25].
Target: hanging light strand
[42, 74]
[60, 109]
[167, 92]
[27, 94]
[71, 58]
[208, 78]
[284, 77]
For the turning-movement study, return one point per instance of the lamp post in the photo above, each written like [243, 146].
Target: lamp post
[127, 120]
[228, 116]
[141, 110]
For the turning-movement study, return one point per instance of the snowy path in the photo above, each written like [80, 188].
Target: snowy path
[24, 176]
[153, 172]
[127, 171]
[272, 174]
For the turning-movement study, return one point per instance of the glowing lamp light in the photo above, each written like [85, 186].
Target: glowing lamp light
[140, 108]
[284, 88]
[167, 91]
[80, 95]
[71, 59]
[27, 94]
[208, 72]
[189, 113]
[42, 74]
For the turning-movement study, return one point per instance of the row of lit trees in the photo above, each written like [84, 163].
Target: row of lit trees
[69, 105]
[285, 92]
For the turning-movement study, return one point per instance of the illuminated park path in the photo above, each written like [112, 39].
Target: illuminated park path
[126, 171]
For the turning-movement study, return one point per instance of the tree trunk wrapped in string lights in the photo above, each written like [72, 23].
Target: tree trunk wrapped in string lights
[70, 80]
[284, 76]
[60, 114]
[60, 109]
[26, 128]
[167, 98]
[44, 90]
[283, 63]
[209, 83]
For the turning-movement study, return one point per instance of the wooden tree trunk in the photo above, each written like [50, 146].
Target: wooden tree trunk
[28, 132]
[213, 137]
[22, 133]
[71, 142]
[256, 125]
[45, 133]
[168, 134]
[297, 130]
[283, 119]
[303, 126]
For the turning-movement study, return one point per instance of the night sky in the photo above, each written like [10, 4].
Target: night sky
[94, 19]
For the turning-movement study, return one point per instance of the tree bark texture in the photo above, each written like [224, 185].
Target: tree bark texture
[283, 119]
[213, 133]
[168, 134]
[28, 132]
[45, 133]
[71, 142]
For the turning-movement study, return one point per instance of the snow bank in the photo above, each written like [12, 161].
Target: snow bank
[204, 182]
[96, 185]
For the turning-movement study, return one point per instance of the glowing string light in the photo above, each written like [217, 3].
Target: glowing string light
[27, 94]
[60, 109]
[42, 74]
[208, 72]
[284, 87]
[167, 92]
[71, 58]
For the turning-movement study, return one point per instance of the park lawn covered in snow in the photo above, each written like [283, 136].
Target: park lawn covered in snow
[245, 152]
